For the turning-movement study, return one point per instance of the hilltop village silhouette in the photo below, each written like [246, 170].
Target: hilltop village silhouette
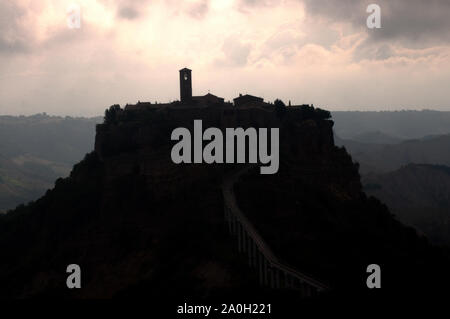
[186, 98]
[142, 226]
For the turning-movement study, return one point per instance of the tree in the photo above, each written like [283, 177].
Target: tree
[280, 107]
[111, 114]
[323, 114]
[279, 103]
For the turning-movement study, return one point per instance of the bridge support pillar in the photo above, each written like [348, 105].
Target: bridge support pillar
[272, 277]
[287, 280]
[277, 278]
[231, 223]
[249, 251]
[266, 275]
[260, 268]
[229, 216]
[238, 231]
[244, 240]
[254, 255]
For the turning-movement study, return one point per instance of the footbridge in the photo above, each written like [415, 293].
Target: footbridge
[272, 272]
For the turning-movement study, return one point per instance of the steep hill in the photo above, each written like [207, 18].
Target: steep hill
[141, 226]
[419, 195]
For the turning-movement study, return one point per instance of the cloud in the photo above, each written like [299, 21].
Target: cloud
[135, 9]
[411, 23]
[14, 36]
[318, 52]
[127, 12]
[236, 53]
[381, 52]
[258, 3]
[199, 9]
[130, 9]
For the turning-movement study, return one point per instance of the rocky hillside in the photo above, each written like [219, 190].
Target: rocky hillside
[419, 195]
[140, 225]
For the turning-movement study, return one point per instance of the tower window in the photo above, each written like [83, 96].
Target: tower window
[185, 76]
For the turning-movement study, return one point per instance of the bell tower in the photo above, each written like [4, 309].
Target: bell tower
[185, 85]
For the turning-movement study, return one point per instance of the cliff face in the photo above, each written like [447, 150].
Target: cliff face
[140, 143]
[136, 222]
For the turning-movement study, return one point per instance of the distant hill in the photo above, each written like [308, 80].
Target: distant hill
[376, 137]
[355, 147]
[419, 195]
[21, 182]
[380, 158]
[36, 150]
[399, 124]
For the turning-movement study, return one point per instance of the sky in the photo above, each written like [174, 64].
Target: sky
[317, 52]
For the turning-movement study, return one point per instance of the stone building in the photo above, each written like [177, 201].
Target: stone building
[245, 99]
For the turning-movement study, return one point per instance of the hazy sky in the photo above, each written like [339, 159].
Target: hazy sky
[307, 51]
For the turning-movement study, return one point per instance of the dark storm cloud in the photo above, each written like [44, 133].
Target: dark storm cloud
[14, 38]
[412, 23]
